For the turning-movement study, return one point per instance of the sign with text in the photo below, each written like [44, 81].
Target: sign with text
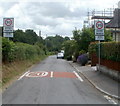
[99, 37]
[8, 34]
[8, 27]
[99, 30]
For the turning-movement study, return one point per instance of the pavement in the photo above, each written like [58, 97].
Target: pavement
[100, 81]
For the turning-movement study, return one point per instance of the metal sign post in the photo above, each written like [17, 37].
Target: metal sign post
[99, 55]
[99, 35]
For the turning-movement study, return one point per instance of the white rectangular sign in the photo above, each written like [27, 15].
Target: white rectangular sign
[99, 32]
[99, 37]
[8, 24]
[8, 34]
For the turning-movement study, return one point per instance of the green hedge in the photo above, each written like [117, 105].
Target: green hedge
[109, 50]
[19, 51]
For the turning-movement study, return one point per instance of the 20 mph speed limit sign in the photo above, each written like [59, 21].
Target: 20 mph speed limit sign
[8, 27]
[99, 28]
[8, 24]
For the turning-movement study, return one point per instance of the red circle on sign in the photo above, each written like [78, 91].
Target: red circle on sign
[99, 25]
[8, 22]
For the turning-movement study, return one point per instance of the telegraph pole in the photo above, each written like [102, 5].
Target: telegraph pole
[40, 33]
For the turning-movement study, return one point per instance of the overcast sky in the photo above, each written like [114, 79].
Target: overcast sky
[51, 16]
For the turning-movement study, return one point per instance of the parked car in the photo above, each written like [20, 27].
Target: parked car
[60, 55]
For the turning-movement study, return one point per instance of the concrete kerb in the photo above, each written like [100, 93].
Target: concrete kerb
[106, 93]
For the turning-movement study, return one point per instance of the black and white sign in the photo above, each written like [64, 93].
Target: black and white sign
[8, 27]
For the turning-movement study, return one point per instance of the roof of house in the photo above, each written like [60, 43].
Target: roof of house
[115, 22]
[102, 17]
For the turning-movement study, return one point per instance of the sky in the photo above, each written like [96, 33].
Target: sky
[51, 16]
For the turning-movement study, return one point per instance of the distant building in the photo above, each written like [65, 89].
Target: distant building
[114, 25]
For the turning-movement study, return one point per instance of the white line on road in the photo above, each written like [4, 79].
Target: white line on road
[24, 75]
[51, 74]
[77, 69]
[78, 76]
[110, 99]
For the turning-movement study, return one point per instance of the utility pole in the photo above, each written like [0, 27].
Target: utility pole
[46, 40]
[39, 33]
[88, 18]
[76, 28]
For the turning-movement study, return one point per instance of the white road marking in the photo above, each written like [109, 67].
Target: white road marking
[51, 74]
[77, 69]
[24, 74]
[78, 76]
[44, 74]
[110, 99]
[37, 74]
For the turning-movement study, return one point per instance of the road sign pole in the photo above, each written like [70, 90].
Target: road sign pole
[99, 35]
[99, 55]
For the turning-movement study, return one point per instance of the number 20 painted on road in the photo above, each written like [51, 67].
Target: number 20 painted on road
[37, 74]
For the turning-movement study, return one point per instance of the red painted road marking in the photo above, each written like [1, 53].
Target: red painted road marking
[52, 74]
[64, 75]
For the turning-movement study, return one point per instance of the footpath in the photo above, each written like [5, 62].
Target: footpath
[100, 81]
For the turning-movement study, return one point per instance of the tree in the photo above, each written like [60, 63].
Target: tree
[55, 43]
[29, 36]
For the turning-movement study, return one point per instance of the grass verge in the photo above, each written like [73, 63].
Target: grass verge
[12, 71]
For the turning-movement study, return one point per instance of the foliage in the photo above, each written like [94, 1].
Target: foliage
[82, 59]
[92, 47]
[29, 37]
[81, 41]
[55, 43]
[69, 48]
[19, 51]
[109, 50]
[82, 52]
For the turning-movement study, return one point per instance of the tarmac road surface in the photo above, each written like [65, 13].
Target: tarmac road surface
[53, 81]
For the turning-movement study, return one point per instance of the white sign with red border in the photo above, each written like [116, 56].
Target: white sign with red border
[99, 28]
[8, 25]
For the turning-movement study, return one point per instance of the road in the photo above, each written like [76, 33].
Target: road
[57, 84]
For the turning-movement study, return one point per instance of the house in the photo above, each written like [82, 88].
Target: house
[114, 25]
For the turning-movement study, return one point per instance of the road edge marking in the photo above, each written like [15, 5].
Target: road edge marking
[113, 96]
[110, 99]
[24, 75]
[78, 76]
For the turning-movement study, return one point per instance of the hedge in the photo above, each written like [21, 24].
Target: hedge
[19, 51]
[109, 50]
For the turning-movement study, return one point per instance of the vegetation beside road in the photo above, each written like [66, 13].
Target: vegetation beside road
[81, 41]
[25, 49]
[17, 57]
[109, 50]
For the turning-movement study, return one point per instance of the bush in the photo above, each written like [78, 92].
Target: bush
[109, 50]
[69, 58]
[82, 59]
[19, 51]
[8, 48]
